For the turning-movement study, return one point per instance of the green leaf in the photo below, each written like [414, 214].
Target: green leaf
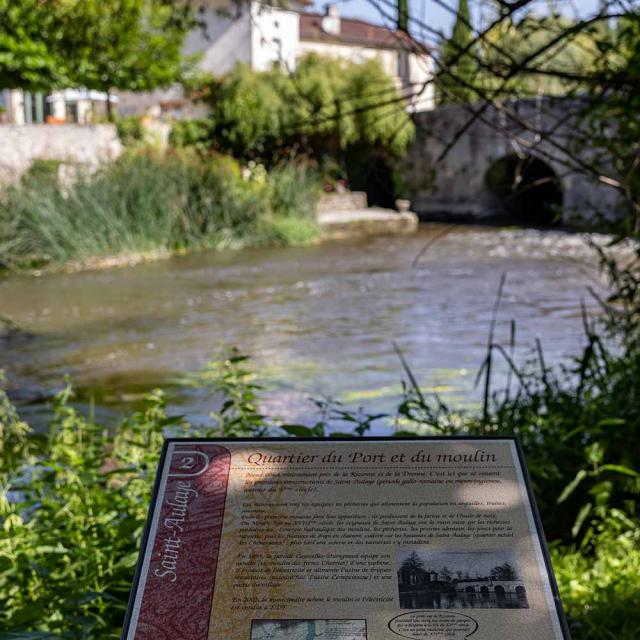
[582, 516]
[611, 422]
[618, 468]
[298, 430]
[570, 488]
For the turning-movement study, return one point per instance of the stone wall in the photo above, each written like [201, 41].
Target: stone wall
[456, 186]
[347, 201]
[87, 146]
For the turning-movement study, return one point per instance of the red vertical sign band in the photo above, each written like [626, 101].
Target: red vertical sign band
[179, 579]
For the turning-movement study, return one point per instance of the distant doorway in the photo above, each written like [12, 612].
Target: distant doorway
[524, 191]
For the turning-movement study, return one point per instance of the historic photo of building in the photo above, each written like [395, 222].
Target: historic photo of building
[459, 580]
[308, 630]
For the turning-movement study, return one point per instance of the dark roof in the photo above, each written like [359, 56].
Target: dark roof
[353, 31]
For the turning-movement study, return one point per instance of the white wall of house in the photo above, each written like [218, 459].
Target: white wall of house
[388, 58]
[421, 73]
[275, 37]
[262, 37]
[223, 41]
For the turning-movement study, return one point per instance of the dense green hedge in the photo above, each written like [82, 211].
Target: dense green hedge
[324, 107]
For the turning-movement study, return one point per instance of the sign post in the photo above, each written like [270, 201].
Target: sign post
[344, 539]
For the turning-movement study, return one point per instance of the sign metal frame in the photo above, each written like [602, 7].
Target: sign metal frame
[136, 592]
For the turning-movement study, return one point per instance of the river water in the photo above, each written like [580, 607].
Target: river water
[318, 321]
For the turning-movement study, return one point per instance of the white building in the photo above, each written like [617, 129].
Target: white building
[357, 40]
[79, 106]
[265, 36]
[259, 35]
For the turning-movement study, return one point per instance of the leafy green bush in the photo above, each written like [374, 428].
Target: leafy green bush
[70, 541]
[190, 133]
[324, 107]
[146, 202]
[600, 590]
[130, 130]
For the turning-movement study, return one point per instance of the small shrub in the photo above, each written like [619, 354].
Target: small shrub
[130, 130]
[191, 132]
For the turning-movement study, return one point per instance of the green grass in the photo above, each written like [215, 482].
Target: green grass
[150, 203]
[600, 590]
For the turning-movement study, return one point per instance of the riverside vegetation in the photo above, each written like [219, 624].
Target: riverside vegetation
[73, 500]
[148, 203]
[247, 175]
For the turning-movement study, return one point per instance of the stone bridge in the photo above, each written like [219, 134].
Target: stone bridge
[501, 168]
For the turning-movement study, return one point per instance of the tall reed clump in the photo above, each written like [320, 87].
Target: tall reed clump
[150, 203]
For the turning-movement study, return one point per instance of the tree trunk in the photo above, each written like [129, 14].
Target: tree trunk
[403, 16]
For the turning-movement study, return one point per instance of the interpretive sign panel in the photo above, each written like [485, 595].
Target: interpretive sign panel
[335, 539]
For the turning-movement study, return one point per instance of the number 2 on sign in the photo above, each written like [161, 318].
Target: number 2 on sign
[188, 462]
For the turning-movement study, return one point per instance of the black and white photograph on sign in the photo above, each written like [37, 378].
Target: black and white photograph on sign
[308, 630]
[460, 580]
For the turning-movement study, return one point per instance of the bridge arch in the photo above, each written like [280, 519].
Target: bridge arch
[523, 189]
[445, 171]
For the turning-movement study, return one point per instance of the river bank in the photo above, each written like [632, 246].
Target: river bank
[331, 226]
[147, 205]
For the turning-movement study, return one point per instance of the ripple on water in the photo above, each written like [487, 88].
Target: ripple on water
[319, 320]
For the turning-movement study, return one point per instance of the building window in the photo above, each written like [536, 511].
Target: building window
[403, 66]
[71, 111]
[35, 110]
